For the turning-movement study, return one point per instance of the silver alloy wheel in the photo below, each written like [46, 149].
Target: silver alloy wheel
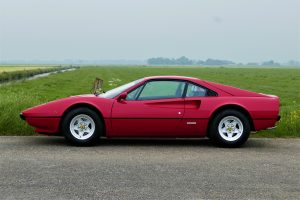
[82, 127]
[230, 128]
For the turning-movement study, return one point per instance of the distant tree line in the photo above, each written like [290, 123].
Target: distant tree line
[217, 62]
[186, 61]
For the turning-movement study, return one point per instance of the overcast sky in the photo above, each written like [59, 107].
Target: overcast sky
[238, 30]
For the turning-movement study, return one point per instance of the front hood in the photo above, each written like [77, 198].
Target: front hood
[47, 109]
[84, 95]
[56, 108]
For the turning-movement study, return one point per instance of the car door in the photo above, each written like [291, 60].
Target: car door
[193, 122]
[154, 109]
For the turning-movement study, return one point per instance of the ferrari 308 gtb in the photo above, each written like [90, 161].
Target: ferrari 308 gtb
[159, 107]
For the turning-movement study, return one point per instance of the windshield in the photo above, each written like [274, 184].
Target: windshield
[116, 91]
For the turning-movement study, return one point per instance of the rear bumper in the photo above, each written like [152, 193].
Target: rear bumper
[263, 124]
[278, 118]
[270, 128]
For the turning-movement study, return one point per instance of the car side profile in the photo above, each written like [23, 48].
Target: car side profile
[159, 107]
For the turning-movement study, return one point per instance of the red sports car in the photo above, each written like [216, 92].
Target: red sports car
[159, 107]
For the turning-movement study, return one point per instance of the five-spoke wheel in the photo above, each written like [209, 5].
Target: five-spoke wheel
[82, 126]
[230, 128]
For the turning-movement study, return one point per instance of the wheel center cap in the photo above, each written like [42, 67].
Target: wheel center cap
[82, 126]
[229, 129]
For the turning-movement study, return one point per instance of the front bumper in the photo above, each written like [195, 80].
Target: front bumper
[22, 116]
[44, 124]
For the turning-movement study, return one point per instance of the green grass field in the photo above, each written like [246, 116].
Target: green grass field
[282, 82]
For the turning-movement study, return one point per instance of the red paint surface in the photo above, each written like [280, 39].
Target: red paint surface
[44, 125]
[180, 117]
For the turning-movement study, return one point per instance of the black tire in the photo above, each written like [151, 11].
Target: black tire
[215, 135]
[95, 135]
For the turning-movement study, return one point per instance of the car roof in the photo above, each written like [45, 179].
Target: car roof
[172, 77]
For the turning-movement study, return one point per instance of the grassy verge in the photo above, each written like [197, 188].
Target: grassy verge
[12, 75]
[10, 68]
[284, 83]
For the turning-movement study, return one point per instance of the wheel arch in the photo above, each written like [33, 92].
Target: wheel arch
[85, 105]
[234, 107]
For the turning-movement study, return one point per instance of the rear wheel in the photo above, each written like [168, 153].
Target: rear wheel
[82, 126]
[230, 128]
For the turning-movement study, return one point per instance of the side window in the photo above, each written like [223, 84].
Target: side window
[132, 95]
[162, 90]
[195, 91]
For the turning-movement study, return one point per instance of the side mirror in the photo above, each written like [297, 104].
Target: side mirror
[122, 97]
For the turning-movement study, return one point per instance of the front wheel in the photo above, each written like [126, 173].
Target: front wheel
[82, 126]
[230, 128]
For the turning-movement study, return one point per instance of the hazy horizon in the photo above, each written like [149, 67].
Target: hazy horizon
[237, 30]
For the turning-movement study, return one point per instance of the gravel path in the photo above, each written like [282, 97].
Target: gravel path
[46, 167]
